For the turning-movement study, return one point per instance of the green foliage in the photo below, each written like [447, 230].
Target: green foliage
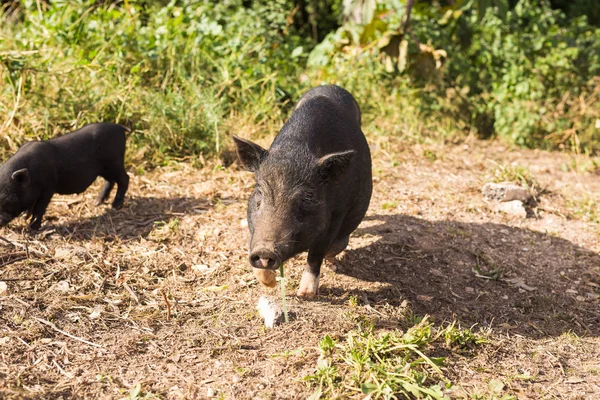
[186, 74]
[513, 173]
[174, 71]
[526, 73]
[388, 364]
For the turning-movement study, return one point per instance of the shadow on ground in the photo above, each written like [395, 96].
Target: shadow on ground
[136, 219]
[545, 285]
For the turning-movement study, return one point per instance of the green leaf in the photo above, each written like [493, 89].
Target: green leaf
[297, 52]
[367, 388]
[368, 11]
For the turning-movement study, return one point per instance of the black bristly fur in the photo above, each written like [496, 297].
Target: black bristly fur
[313, 185]
[67, 164]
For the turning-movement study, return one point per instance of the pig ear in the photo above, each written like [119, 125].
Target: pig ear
[21, 176]
[250, 154]
[332, 166]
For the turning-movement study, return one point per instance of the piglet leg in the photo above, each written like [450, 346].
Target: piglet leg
[105, 192]
[122, 185]
[39, 209]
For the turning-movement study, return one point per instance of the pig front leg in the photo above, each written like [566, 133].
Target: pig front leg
[39, 209]
[309, 284]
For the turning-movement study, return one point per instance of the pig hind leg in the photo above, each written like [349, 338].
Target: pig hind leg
[122, 185]
[105, 192]
[336, 248]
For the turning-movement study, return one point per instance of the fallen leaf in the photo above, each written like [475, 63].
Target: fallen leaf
[520, 283]
[215, 288]
[422, 297]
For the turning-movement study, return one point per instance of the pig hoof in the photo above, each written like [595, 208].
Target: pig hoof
[35, 225]
[309, 285]
[265, 276]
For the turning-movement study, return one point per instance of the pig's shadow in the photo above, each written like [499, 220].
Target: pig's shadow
[137, 218]
[514, 279]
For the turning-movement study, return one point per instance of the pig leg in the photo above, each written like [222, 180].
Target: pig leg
[122, 185]
[336, 248]
[39, 209]
[105, 192]
[309, 284]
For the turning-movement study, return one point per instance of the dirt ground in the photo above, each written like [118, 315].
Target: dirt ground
[157, 299]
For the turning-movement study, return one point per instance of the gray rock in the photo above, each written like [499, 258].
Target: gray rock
[506, 192]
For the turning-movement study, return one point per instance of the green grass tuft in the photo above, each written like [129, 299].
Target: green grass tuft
[387, 364]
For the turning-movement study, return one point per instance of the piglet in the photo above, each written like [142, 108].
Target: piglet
[67, 164]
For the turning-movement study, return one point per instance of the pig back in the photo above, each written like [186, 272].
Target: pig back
[83, 155]
[327, 120]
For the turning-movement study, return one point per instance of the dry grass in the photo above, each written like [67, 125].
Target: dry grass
[157, 300]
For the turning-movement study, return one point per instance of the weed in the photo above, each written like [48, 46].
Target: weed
[513, 173]
[389, 205]
[461, 338]
[387, 364]
[585, 208]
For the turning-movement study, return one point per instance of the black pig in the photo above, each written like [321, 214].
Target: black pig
[313, 185]
[67, 164]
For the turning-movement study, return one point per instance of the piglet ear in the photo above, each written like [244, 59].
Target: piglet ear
[333, 166]
[249, 153]
[21, 176]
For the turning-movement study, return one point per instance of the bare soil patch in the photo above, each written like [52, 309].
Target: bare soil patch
[162, 295]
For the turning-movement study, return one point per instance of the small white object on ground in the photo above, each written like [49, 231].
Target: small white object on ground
[269, 311]
[3, 289]
[514, 207]
[62, 286]
[96, 312]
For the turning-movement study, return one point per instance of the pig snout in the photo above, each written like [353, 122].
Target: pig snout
[263, 258]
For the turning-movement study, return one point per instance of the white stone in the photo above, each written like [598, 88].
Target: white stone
[514, 208]
[62, 286]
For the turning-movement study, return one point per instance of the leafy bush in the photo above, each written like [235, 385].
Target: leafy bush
[526, 73]
[187, 73]
[174, 71]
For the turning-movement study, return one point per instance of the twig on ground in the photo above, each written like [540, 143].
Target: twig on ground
[51, 325]
[168, 305]
[9, 260]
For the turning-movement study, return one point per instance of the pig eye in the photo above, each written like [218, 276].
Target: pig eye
[308, 200]
[257, 199]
